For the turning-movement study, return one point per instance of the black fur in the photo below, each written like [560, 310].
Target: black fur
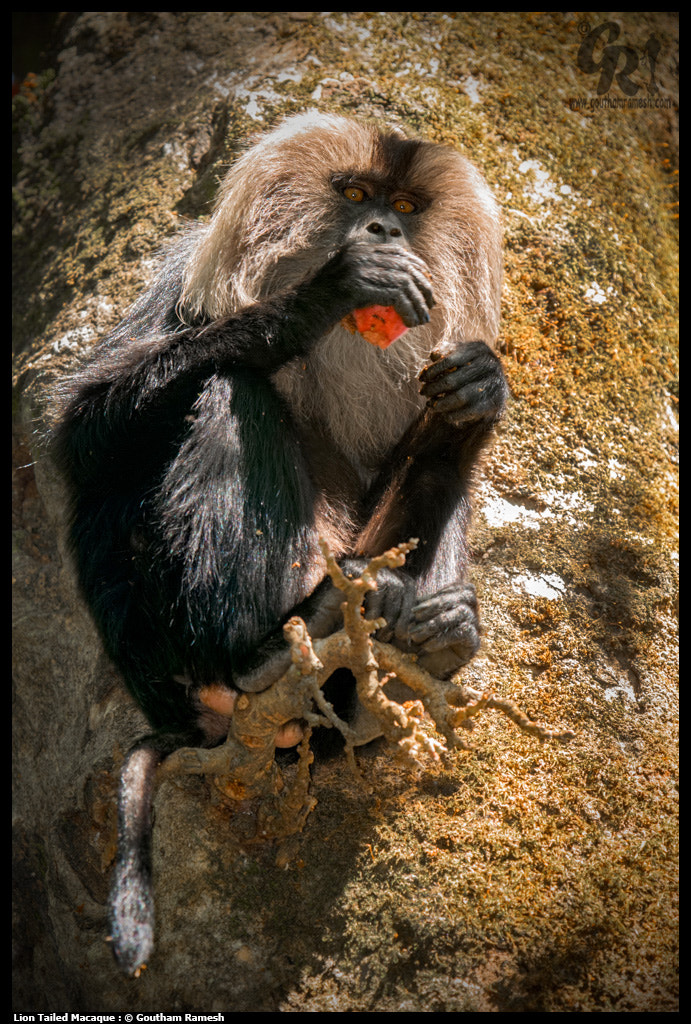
[194, 491]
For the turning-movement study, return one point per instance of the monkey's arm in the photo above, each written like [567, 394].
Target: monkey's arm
[270, 333]
[423, 492]
[426, 477]
[148, 371]
[266, 336]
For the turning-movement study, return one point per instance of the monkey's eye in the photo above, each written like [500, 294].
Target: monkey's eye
[355, 194]
[403, 206]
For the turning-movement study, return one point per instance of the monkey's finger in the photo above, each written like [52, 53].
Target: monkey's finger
[473, 360]
[440, 625]
[398, 252]
[397, 288]
[454, 380]
[423, 283]
[460, 382]
[468, 642]
[453, 626]
[412, 274]
[437, 373]
[402, 630]
[413, 298]
[401, 293]
[385, 603]
[439, 602]
[411, 308]
[468, 404]
[392, 256]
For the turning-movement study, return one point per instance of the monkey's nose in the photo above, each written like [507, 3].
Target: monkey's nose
[376, 228]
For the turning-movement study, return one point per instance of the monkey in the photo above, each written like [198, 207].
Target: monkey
[231, 419]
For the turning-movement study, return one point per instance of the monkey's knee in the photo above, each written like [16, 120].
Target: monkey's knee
[215, 704]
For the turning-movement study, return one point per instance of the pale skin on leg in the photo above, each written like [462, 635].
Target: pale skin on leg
[222, 700]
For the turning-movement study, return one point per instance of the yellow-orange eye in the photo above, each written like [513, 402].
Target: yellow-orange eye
[355, 194]
[403, 206]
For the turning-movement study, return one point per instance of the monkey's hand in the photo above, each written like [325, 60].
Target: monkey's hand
[467, 386]
[442, 629]
[393, 600]
[445, 629]
[362, 274]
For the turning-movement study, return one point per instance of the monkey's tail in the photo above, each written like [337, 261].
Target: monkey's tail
[131, 903]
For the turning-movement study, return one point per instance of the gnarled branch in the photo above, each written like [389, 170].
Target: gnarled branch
[244, 766]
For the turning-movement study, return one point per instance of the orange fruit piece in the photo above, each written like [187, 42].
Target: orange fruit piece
[380, 325]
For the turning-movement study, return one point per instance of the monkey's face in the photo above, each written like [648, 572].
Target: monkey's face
[320, 182]
[372, 209]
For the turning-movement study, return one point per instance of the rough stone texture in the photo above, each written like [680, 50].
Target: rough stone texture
[517, 877]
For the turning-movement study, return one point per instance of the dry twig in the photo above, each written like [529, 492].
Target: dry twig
[244, 766]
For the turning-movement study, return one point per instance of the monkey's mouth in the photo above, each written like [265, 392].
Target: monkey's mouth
[379, 325]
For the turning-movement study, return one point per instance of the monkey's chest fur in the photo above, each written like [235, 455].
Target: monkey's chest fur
[362, 398]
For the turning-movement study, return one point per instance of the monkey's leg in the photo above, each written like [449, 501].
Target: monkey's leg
[271, 657]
